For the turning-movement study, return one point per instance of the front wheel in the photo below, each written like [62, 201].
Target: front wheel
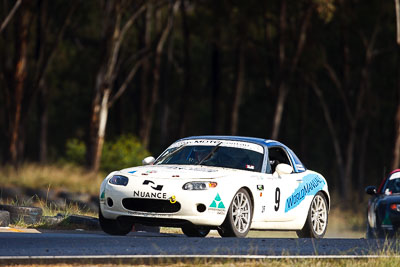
[370, 232]
[238, 220]
[114, 227]
[317, 218]
[192, 231]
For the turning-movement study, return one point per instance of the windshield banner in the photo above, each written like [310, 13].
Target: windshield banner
[224, 143]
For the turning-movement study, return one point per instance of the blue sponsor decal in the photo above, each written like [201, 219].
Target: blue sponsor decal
[132, 172]
[311, 184]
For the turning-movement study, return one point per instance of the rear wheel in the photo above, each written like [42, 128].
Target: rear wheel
[317, 218]
[238, 220]
[114, 227]
[192, 231]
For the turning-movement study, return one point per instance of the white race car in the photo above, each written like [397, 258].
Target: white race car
[228, 183]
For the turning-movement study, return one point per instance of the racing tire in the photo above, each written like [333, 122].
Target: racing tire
[370, 233]
[28, 215]
[238, 220]
[192, 231]
[114, 227]
[317, 218]
[373, 233]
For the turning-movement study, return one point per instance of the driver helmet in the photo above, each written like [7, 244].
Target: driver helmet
[199, 153]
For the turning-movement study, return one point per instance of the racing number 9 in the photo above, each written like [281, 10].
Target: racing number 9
[277, 198]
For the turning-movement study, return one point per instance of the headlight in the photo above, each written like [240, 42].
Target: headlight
[119, 180]
[199, 185]
[395, 207]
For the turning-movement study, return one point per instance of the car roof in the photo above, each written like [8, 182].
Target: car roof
[383, 182]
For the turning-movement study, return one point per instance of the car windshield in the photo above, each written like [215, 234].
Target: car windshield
[392, 186]
[216, 155]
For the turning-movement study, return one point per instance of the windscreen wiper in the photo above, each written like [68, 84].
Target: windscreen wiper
[210, 154]
[169, 154]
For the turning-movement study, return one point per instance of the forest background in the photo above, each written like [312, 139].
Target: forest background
[102, 84]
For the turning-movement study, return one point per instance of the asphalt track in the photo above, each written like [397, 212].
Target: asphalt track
[18, 246]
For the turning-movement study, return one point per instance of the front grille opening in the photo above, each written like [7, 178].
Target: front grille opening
[150, 205]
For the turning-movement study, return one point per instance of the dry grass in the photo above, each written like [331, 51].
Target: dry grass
[66, 177]
[51, 210]
[346, 223]
[70, 209]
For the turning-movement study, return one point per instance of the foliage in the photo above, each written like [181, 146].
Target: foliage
[125, 151]
[325, 9]
[75, 151]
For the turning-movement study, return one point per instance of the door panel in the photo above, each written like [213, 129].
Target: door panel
[278, 191]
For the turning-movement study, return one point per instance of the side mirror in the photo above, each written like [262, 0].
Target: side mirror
[283, 169]
[148, 161]
[370, 190]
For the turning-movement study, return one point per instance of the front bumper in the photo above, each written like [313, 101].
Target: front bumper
[390, 220]
[172, 206]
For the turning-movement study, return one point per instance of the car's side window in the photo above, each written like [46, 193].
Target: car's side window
[277, 155]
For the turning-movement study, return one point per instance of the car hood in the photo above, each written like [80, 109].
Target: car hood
[179, 171]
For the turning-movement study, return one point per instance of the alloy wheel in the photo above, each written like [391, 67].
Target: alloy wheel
[319, 215]
[241, 212]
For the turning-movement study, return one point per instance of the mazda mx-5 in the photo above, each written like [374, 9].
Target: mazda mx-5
[225, 183]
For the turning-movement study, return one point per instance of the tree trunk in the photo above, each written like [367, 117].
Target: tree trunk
[113, 36]
[397, 10]
[10, 15]
[148, 123]
[19, 81]
[103, 114]
[396, 149]
[187, 88]
[305, 111]
[347, 179]
[93, 132]
[43, 117]
[144, 87]
[239, 86]
[285, 72]
[361, 166]
[280, 103]
[216, 90]
[334, 136]
[165, 101]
